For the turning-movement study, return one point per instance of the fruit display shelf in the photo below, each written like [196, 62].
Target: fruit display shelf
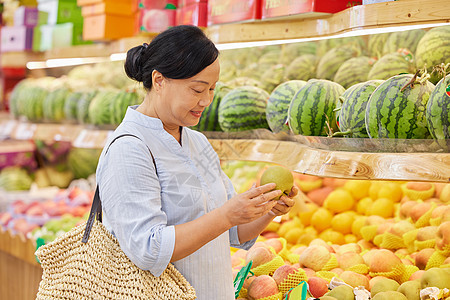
[378, 15]
[319, 156]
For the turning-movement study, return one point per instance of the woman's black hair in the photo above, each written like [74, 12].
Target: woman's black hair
[179, 52]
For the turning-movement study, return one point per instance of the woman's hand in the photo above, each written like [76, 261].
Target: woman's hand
[284, 205]
[251, 205]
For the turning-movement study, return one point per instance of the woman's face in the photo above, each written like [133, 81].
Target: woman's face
[184, 100]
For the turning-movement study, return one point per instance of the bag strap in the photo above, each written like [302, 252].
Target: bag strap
[96, 208]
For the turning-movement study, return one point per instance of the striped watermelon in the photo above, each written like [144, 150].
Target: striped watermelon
[403, 39]
[243, 108]
[353, 111]
[272, 77]
[209, 121]
[313, 105]
[324, 46]
[289, 52]
[353, 71]
[389, 65]
[71, 105]
[393, 113]
[376, 44]
[278, 104]
[53, 104]
[302, 68]
[333, 59]
[434, 49]
[241, 81]
[438, 112]
[120, 105]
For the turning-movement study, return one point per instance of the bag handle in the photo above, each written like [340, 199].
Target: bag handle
[96, 208]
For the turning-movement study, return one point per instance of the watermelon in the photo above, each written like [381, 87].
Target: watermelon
[326, 45]
[393, 113]
[389, 65]
[83, 162]
[270, 58]
[100, 107]
[289, 52]
[438, 112]
[241, 81]
[352, 114]
[403, 39]
[227, 70]
[434, 49]
[272, 77]
[120, 105]
[34, 103]
[243, 108]
[71, 105]
[53, 104]
[302, 68]
[278, 104]
[83, 107]
[209, 121]
[16, 96]
[376, 44]
[313, 106]
[353, 71]
[333, 59]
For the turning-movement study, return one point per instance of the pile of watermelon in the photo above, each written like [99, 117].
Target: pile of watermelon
[390, 85]
[352, 87]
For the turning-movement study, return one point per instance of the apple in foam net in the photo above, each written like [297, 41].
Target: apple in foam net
[317, 286]
[282, 273]
[443, 236]
[355, 279]
[262, 286]
[259, 256]
[349, 259]
[275, 244]
[315, 257]
[419, 210]
[383, 260]
[427, 233]
[422, 257]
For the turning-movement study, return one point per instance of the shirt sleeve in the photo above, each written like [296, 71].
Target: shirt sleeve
[233, 233]
[131, 202]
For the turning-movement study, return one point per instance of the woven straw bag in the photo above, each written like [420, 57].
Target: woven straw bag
[87, 263]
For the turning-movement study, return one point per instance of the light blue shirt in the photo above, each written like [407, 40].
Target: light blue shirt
[141, 205]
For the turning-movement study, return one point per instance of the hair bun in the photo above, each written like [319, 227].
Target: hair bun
[133, 62]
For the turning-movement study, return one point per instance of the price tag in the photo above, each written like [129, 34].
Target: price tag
[240, 277]
[300, 292]
[6, 128]
[92, 138]
[24, 131]
[447, 90]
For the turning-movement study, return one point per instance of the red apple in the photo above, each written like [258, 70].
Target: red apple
[282, 273]
[259, 256]
[317, 286]
[262, 286]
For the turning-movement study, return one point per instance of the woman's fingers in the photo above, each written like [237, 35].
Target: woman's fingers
[256, 191]
[293, 192]
[263, 198]
[289, 202]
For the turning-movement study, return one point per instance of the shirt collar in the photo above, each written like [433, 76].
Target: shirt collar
[132, 115]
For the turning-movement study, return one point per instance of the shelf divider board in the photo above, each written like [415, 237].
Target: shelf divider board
[411, 12]
[350, 165]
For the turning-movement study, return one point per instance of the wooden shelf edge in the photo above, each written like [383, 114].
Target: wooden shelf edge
[412, 12]
[349, 165]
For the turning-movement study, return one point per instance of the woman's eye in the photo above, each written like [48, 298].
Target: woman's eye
[198, 92]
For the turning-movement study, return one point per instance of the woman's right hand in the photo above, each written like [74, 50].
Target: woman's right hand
[251, 205]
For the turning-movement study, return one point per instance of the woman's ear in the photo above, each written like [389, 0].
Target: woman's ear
[157, 80]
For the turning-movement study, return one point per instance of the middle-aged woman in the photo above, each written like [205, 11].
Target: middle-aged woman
[179, 208]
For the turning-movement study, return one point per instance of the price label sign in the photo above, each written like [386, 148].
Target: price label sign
[93, 139]
[447, 90]
[24, 131]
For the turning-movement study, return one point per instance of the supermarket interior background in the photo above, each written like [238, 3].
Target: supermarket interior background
[353, 97]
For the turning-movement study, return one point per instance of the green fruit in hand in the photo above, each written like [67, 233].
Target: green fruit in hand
[279, 175]
[390, 295]
[411, 289]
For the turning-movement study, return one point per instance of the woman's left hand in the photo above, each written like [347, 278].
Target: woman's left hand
[285, 203]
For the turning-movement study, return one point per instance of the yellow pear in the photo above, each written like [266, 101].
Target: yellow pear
[279, 175]
[342, 292]
[384, 285]
[411, 289]
[390, 295]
